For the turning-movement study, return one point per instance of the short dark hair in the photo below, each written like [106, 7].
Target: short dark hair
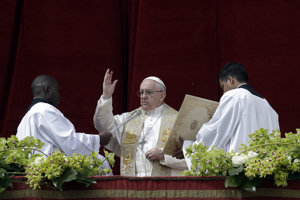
[42, 81]
[235, 70]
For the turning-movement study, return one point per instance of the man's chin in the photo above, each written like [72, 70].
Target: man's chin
[145, 108]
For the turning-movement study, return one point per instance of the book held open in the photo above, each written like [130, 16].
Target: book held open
[193, 113]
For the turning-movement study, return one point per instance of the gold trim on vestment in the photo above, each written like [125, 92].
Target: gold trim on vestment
[165, 135]
[131, 136]
[167, 121]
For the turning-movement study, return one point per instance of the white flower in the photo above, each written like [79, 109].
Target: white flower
[296, 160]
[38, 160]
[252, 154]
[239, 160]
[65, 158]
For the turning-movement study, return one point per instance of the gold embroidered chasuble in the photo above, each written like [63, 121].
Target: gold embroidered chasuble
[131, 135]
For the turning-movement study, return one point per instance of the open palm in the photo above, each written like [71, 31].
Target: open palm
[108, 85]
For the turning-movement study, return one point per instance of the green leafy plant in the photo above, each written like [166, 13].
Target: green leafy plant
[25, 158]
[215, 162]
[60, 169]
[268, 156]
[14, 155]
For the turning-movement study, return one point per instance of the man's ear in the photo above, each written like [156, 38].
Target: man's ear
[46, 90]
[231, 80]
[163, 96]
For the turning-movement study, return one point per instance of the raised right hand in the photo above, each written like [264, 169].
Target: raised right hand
[108, 86]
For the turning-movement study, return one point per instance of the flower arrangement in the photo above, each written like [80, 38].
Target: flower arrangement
[25, 158]
[268, 156]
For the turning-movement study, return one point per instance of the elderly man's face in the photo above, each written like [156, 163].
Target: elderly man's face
[151, 96]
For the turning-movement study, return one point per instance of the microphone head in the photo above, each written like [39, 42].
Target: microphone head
[138, 112]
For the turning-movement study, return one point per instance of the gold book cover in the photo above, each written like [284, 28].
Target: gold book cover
[193, 113]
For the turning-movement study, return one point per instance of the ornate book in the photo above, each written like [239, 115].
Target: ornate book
[194, 112]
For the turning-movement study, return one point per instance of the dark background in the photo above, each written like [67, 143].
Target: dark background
[184, 42]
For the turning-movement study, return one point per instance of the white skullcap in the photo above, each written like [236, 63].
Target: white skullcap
[158, 80]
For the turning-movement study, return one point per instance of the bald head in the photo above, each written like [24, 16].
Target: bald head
[47, 88]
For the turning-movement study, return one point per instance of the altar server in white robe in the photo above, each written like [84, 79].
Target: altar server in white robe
[45, 122]
[240, 113]
[140, 141]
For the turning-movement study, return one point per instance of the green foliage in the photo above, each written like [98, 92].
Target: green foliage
[69, 174]
[268, 156]
[242, 181]
[215, 162]
[277, 156]
[4, 180]
[14, 155]
[25, 158]
[60, 169]
[235, 170]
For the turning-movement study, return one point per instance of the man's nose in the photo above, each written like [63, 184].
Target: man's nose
[143, 95]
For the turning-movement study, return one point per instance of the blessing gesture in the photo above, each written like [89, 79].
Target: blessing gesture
[108, 85]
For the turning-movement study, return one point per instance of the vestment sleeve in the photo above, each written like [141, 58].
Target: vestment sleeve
[220, 128]
[104, 120]
[63, 135]
[174, 163]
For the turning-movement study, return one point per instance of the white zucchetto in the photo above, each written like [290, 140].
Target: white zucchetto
[156, 79]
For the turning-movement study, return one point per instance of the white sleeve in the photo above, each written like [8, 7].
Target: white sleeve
[219, 130]
[174, 163]
[105, 121]
[62, 134]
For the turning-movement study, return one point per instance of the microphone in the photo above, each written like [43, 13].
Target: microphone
[134, 114]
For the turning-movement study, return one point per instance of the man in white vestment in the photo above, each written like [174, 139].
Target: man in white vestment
[140, 140]
[240, 113]
[45, 122]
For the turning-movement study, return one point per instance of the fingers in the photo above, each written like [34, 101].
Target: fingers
[147, 154]
[180, 141]
[153, 157]
[108, 86]
[178, 151]
[114, 83]
[107, 72]
[108, 75]
[178, 155]
[154, 154]
[108, 78]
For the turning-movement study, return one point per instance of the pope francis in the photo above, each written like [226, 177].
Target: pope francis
[139, 136]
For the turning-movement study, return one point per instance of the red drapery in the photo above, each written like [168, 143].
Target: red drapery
[183, 42]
